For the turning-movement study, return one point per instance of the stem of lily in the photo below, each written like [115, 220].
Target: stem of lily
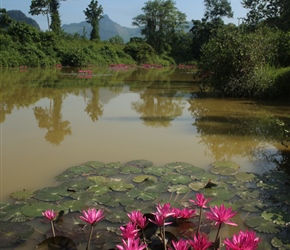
[144, 238]
[163, 237]
[199, 219]
[90, 237]
[217, 234]
[52, 228]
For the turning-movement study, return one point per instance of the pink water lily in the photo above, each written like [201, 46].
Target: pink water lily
[129, 231]
[164, 210]
[200, 242]
[92, 216]
[181, 244]
[200, 201]
[184, 213]
[221, 215]
[138, 218]
[131, 244]
[243, 241]
[50, 214]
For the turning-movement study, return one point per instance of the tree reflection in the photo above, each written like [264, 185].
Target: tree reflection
[157, 110]
[51, 119]
[230, 128]
[94, 108]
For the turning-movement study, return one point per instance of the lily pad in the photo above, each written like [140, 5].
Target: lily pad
[76, 185]
[108, 171]
[11, 233]
[277, 216]
[22, 194]
[224, 168]
[75, 172]
[71, 205]
[117, 216]
[115, 165]
[99, 189]
[94, 164]
[142, 178]
[181, 179]
[130, 169]
[120, 186]
[99, 180]
[261, 225]
[219, 193]
[51, 193]
[13, 213]
[197, 185]
[139, 163]
[143, 195]
[242, 176]
[155, 170]
[179, 189]
[36, 209]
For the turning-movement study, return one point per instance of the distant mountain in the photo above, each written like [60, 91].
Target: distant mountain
[108, 29]
[21, 17]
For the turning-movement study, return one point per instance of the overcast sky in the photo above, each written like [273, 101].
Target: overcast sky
[120, 11]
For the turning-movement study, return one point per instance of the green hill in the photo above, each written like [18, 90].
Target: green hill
[21, 17]
[108, 29]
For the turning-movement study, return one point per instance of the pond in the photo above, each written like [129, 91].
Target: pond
[107, 125]
[57, 118]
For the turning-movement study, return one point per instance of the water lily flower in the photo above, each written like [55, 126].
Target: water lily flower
[184, 213]
[200, 242]
[129, 231]
[50, 214]
[159, 220]
[243, 241]
[131, 244]
[164, 210]
[221, 215]
[200, 201]
[138, 218]
[92, 216]
[181, 244]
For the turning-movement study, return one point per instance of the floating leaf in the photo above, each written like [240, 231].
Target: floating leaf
[277, 242]
[255, 221]
[140, 206]
[179, 189]
[99, 180]
[99, 189]
[117, 216]
[36, 209]
[120, 186]
[71, 205]
[181, 179]
[11, 233]
[143, 195]
[242, 176]
[13, 213]
[75, 172]
[141, 178]
[57, 242]
[268, 228]
[197, 185]
[139, 163]
[22, 194]
[277, 216]
[220, 193]
[115, 165]
[75, 185]
[224, 168]
[155, 170]
[108, 171]
[3, 205]
[51, 193]
[130, 169]
[94, 164]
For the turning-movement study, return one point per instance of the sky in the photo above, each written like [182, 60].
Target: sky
[120, 11]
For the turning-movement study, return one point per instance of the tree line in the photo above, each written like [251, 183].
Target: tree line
[251, 59]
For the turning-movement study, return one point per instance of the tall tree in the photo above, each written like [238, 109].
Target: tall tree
[215, 9]
[48, 7]
[159, 23]
[273, 12]
[93, 16]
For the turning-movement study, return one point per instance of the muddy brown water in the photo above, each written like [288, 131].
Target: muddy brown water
[57, 118]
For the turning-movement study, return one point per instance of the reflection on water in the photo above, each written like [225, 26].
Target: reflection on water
[53, 119]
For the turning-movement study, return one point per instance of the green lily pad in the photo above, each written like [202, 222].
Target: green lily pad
[155, 170]
[197, 185]
[277, 216]
[281, 242]
[178, 164]
[99, 180]
[13, 213]
[224, 168]
[179, 189]
[219, 193]
[22, 194]
[75, 185]
[251, 207]
[3, 205]
[158, 187]
[51, 194]
[104, 199]
[169, 177]
[139, 205]
[181, 179]
[115, 165]
[75, 172]
[242, 176]
[108, 171]
[143, 195]
[94, 164]
[255, 221]
[188, 169]
[277, 242]
[117, 216]
[139, 163]
[99, 189]
[130, 169]
[118, 198]
[261, 225]
[142, 178]
[120, 186]
[11, 233]
[36, 209]
[71, 205]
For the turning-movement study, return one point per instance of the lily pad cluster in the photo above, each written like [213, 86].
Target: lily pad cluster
[140, 185]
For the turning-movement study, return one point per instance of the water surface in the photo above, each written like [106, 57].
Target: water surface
[54, 119]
